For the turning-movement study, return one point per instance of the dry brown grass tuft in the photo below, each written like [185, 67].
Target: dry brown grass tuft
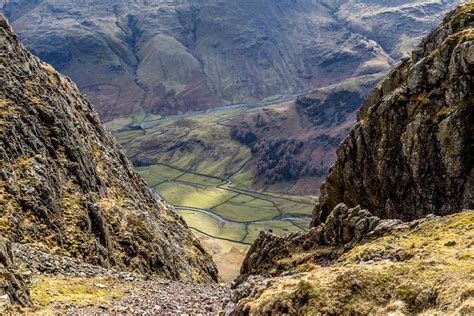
[428, 269]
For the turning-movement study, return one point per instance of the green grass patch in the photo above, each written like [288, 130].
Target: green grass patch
[194, 178]
[212, 226]
[187, 195]
[278, 228]
[157, 173]
[124, 121]
[247, 211]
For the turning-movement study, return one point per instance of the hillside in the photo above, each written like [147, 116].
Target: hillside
[409, 155]
[67, 187]
[166, 57]
[293, 144]
[423, 267]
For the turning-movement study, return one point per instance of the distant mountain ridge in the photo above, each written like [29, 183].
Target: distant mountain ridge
[166, 57]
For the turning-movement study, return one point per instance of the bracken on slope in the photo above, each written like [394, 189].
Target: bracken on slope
[67, 187]
[411, 152]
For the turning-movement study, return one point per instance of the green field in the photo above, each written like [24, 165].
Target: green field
[250, 210]
[193, 164]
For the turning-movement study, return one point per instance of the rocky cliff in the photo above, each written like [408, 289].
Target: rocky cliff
[409, 155]
[67, 187]
[170, 56]
[13, 289]
[411, 152]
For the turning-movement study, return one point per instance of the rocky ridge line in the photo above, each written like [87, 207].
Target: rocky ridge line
[411, 151]
[419, 267]
[344, 228]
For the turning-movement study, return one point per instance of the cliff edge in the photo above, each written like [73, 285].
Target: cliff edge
[411, 152]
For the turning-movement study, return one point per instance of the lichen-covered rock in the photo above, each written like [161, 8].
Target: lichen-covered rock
[411, 152]
[343, 229]
[67, 187]
[13, 289]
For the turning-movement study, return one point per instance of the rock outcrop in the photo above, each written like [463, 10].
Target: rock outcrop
[411, 152]
[343, 229]
[422, 267]
[13, 289]
[67, 187]
[409, 155]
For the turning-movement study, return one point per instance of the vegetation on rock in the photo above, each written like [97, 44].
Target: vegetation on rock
[13, 288]
[411, 153]
[67, 187]
[425, 267]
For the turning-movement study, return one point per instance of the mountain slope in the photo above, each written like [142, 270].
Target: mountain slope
[167, 57]
[67, 187]
[294, 144]
[412, 143]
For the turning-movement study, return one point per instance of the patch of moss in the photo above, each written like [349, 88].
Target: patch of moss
[99, 161]
[461, 12]
[428, 280]
[7, 109]
[48, 291]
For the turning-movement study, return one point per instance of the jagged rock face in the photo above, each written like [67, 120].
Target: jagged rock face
[67, 187]
[13, 289]
[411, 152]
[415, 268]
[343, 229]
[170, 56]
